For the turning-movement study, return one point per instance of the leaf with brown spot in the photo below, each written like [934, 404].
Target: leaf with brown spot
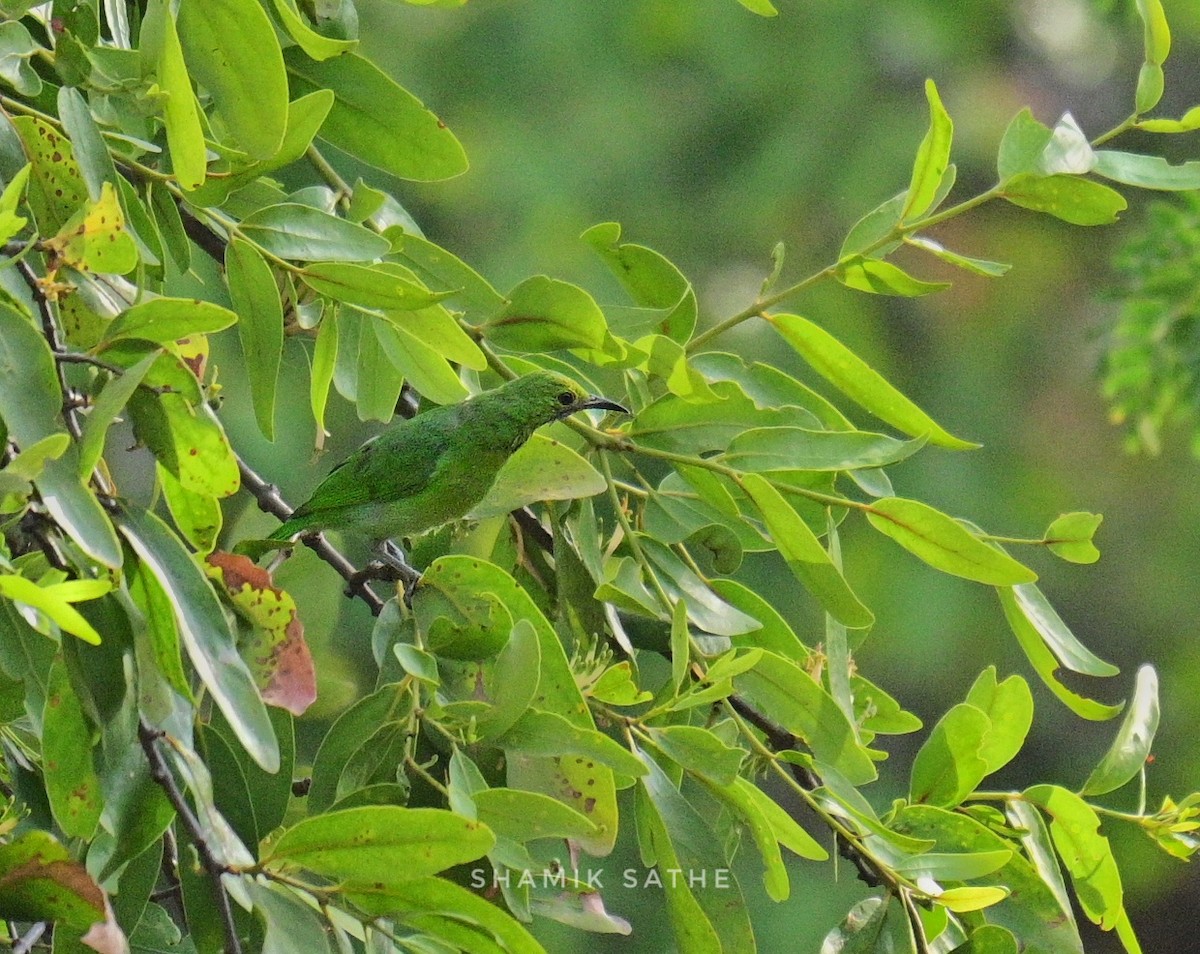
[39, 882]
[95, 239]
[276, 651]
[56, 187]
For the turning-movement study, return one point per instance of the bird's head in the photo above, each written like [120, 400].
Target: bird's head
[549, 396]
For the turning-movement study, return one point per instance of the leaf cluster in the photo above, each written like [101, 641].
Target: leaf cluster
[588, 631]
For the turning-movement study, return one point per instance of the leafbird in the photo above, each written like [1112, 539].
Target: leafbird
[433, 468]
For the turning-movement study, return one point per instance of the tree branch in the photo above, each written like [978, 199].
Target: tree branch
[161, 774]
[270, 501]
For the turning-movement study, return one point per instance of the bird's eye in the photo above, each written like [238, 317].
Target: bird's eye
[566, 398]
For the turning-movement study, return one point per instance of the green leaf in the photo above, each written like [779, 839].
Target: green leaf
[1009, 706]
[705, 610]
[444, 910]
[513, 681]
[421, 364]
[775, 635]
[112, 400]
[316, 45]
[181, 114]
[978, 266]
[546, 733]
[1157, 36]
[883, 278]
[170, 226]
[805, 556]
[526, 816]
[368, 286]
[178, 426]
[786, 829]
[439, 269]
[789, 696]
[953, 866]
[705, 917]
[1129, 750]
[44, 599]
[1031, 911]
[1069, 537]
[1066, 197]
[30, 402]
[42, 883]
[300, 232]
[949, 765]
[95, 239]
[351, 731]
[1022, 146]
[205, 632]
[681, 645]
[17, 47]
[91, 152]
[933, 157]
[574, 778]
[1075, 828]
[988, 939]
[944, 543]
[700, 752]
[543, 469]
[1150, 85]
[163, 320]
[875, 230]
[1147, 172]
[763, 8]
[255, 298]
[376, 120]
[324, 361]
[766, 449]
[1037, 611]
[197, 515]
[740, 796]
[231, 50]
[1035, 646]
[290, 925]
[652, 281]
[846, 371]
[71, 781]
[56, 188]
[543, 314]
[1188, 122]
[379, 844]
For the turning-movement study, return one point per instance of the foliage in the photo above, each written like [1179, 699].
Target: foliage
[1152, 355]
[584, 635]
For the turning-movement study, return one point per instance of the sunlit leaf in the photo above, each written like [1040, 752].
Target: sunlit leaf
[846, 371]
[1131, 747]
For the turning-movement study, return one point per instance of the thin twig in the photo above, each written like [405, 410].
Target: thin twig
[269, 501]
[161, 774]
[32, 936]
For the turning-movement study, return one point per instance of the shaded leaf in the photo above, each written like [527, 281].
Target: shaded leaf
[255, 298]
[231, 50]
[378, 121]
[205, 633]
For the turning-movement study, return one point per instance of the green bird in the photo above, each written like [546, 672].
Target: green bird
[433, 468]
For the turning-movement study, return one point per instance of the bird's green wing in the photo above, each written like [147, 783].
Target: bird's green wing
[393, 466]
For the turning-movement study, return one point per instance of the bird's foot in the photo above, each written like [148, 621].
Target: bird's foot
[391, 567]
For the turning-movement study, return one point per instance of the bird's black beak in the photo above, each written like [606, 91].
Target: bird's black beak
[601, 403]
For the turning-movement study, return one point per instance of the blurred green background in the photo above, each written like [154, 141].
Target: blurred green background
[710, 134]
